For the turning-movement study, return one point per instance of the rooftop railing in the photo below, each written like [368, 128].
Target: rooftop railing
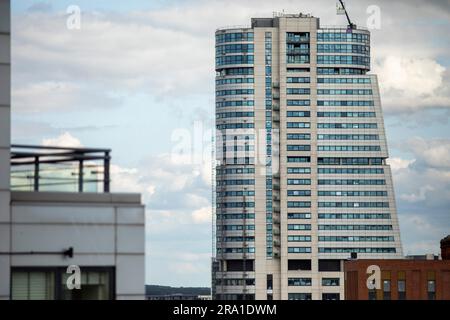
[45, 168]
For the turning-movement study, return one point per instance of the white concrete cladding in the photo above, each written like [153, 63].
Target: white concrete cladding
[302, 180]
[5, 80]
[105, 230]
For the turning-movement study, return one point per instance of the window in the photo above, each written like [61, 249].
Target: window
[330, 296]
[97, 283]
[330, 282]
[299, 296]
[329, 265]
[431, 288]
[372, 294]
[386, 289]
[303, 282]
[299, 264]
[33, 285]
[269, 282]
[401, 285]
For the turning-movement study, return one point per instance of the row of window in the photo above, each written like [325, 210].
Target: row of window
[350, 170]
[356, 238]
[337, 59]
[342, 37]
[342, 71]
[337, 114]
[353, 204]
[299, 249]
[232, 92]
[298, 91]
[303, 147]
[235, 216]
[345, 193]
[299, 159]
[354, 215]
[291, 70]
[298, 181]
[296, 125]
[347, 125]
[236, 239]
[299, 204]
[299, 227]
[357, 250]
[235, 282]
[299, 215]
[299, 239]
[295, 170]
[236, 227]
[297, 36]
[348, 137]
[220, 82]
[307, 215]
[235, 171]
[235, 204]
[298, 136]
[237, 71]
[291, 103]
[343, 48]
[237, 182]
[347, 148]
[349, 161]
[298, 114]
[235, 126]
[299, 193]
[302, 58]
[237, 114]
[238, 59]
[235, 103]
[235, 48]
[343, 80]
[359, 92]
[365, 227]
[346, 182]
[299, 281]
[298, 80]
[236, 250]
[234, 37]
[345, 103]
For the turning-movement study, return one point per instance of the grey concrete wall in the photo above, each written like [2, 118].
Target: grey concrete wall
[5, 98]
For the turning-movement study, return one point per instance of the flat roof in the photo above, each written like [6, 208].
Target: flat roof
[77, 197]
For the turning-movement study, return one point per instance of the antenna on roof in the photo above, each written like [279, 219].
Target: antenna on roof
[340, 9]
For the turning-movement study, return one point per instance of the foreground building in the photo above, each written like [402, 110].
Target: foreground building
[59, 212]
[415, 278]
[301, 175]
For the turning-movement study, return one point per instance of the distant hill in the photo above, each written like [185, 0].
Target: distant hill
[164, 290]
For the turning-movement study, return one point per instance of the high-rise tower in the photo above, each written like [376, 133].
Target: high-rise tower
[301, 177]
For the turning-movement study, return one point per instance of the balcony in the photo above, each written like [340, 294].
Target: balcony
[297, 51]
[297, 39]
[39, 168]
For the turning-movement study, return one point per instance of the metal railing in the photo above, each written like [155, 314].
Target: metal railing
[45, 168]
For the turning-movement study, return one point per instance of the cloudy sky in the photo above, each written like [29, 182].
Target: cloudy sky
[138, 77]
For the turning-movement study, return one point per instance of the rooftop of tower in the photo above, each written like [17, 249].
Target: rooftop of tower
[274, 20]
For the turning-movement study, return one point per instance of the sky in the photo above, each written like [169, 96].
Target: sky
[138, 77]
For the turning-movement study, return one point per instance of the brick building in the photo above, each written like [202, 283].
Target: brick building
[419, 278]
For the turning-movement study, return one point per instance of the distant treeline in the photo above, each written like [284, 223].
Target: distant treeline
[165, 290]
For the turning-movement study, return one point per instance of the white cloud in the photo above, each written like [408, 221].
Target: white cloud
[411, 83]
[202, 215]
[399, 163]
[63, 140]
[416, 197]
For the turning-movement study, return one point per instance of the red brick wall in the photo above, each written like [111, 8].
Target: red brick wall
[416, 273]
